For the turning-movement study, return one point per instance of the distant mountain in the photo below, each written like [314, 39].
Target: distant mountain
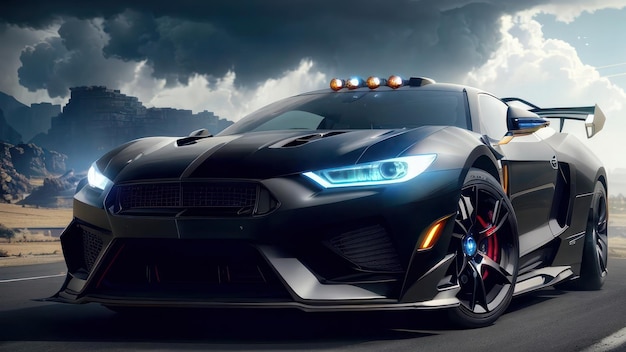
[10, 105]
[13, 111]
[12, 184]
[8, 133]
[97, 119]
[20, 162]
[28, 121]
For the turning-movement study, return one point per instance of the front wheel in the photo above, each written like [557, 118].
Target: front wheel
[485, 245]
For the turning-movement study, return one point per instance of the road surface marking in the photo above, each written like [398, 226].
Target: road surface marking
[609, 343]
[31, 278]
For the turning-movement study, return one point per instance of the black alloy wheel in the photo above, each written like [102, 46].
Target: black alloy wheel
[485, 244]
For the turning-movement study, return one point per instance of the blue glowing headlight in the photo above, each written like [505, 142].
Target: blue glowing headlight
[375, 173]
[96, 179]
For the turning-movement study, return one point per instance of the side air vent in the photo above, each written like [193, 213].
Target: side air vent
[308, 138]
[562, 196]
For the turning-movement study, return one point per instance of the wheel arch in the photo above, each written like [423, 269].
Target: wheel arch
[481, 158]
[483, 162]
[466, 152]
[602, 177]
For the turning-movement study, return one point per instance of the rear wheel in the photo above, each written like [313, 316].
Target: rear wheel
[485, 245]
[593, 269]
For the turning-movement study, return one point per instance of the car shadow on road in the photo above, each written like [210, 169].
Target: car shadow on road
[534, 298]
[55, 322]
[233, 328]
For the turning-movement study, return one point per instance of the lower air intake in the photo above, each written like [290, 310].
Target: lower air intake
[369, 248]
[187, 269]
[92, 246]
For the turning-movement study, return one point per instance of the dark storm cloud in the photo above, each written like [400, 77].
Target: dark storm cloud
[262, 39]
[72, 59]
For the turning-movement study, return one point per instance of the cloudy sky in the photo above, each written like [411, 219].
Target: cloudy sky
[232, 57]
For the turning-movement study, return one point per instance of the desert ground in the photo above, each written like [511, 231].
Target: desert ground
[16, 216]
[32, 243]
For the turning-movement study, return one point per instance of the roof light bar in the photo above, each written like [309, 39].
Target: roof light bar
[420, 81]
[374, 82]
[336, 84]
[395, 82]
[354, 82]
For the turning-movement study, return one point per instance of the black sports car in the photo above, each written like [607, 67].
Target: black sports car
[382, 194]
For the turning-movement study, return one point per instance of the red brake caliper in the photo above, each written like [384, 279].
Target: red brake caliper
[492, 241]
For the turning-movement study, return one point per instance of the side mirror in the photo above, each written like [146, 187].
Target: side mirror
[595, 122]
[522, 122]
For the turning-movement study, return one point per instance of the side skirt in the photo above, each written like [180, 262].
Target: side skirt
[541, 278]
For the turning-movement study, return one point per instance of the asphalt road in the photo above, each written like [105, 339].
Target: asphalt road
[548, 320]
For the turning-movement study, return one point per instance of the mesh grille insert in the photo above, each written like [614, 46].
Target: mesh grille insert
[92, 246]
[219, 195]
[369, 248]
[236, 198]
[161, 195]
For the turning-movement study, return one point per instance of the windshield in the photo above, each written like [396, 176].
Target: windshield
[359, 110]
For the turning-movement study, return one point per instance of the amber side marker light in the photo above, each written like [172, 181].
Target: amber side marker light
[505, 179]
[432, 234]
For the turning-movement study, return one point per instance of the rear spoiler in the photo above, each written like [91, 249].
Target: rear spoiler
[592, 115]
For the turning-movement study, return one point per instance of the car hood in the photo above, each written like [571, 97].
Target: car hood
[257, 155]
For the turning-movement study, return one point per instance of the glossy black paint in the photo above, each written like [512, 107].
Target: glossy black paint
[546, 172]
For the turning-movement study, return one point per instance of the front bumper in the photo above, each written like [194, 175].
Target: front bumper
[318, 251]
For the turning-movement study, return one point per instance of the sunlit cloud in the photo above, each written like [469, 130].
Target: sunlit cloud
[568, 10]
[221, 95]
[549, 73]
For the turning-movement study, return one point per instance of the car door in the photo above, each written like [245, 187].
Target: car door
[531, 169]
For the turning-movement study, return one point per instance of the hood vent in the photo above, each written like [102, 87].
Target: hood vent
[193, 137]
[298, 141]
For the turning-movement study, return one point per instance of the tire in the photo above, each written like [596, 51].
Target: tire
[486, 248]
[594, 264]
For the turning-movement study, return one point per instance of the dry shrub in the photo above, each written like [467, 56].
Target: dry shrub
[6, 232]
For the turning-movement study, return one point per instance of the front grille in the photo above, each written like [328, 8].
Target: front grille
[149, 196]
[212, 197]
[219, 195]
[369, 248]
